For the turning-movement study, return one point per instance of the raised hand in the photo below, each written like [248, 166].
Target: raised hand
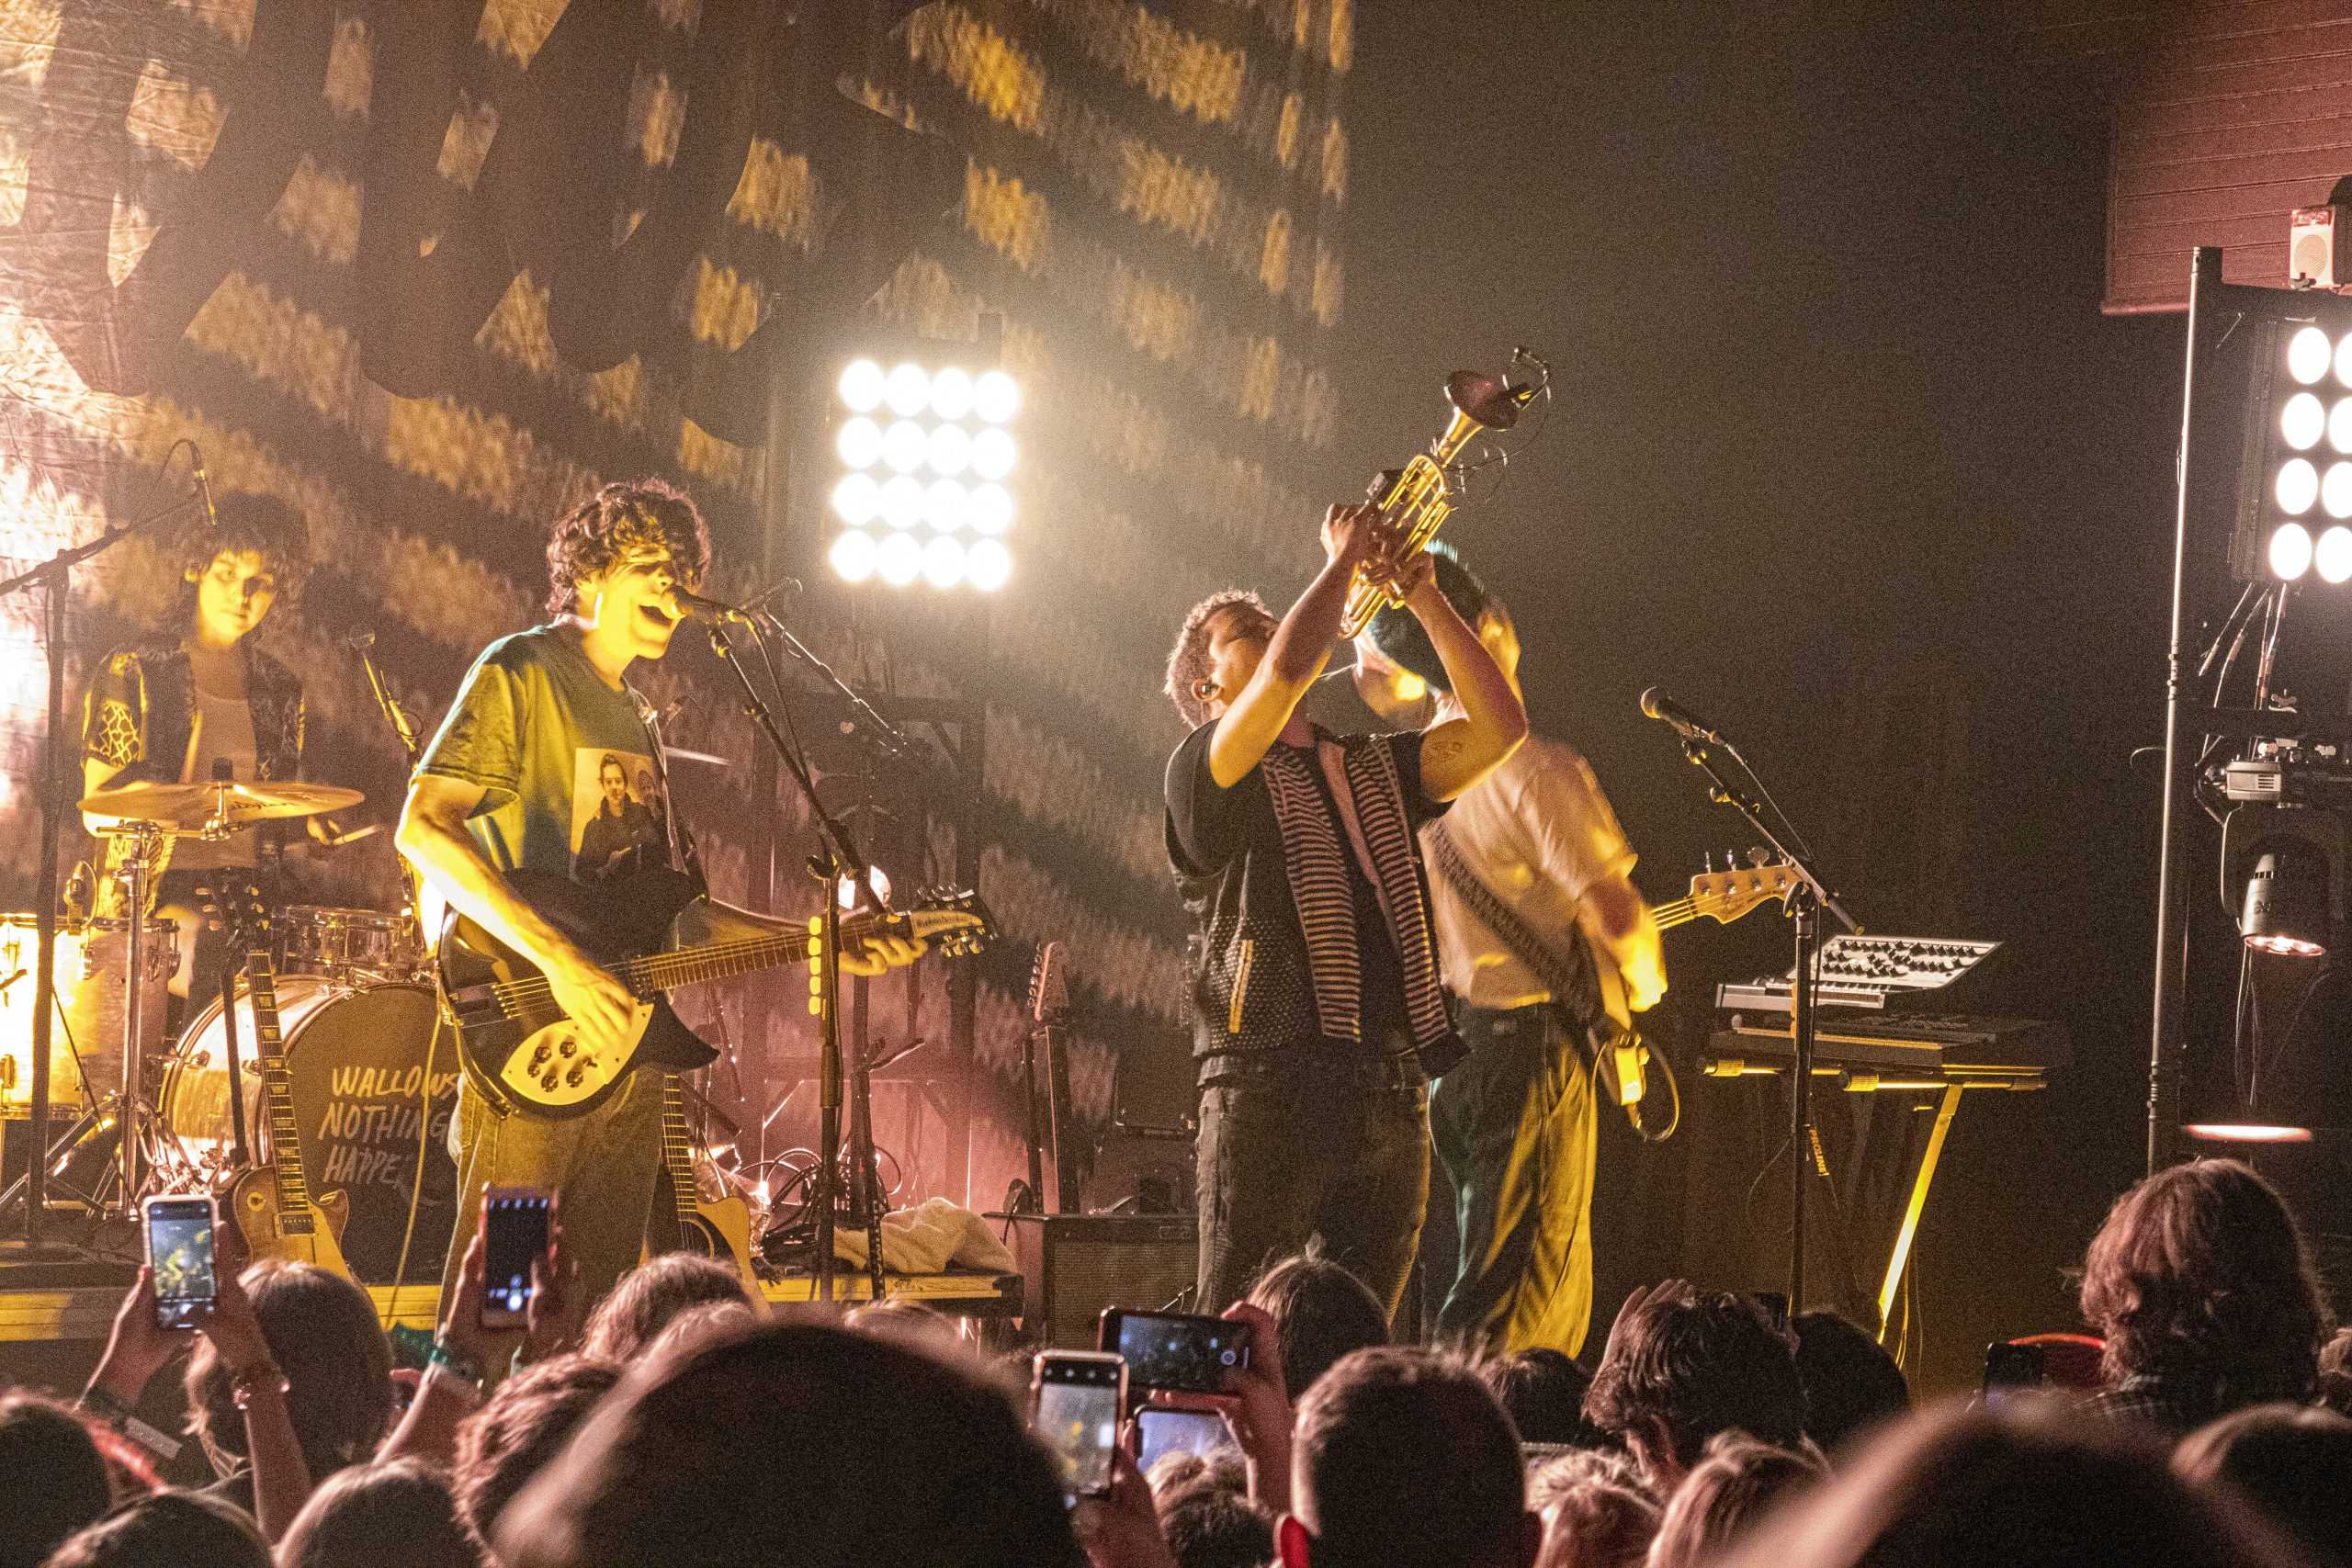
[1353, 534]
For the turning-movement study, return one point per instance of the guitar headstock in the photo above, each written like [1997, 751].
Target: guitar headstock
[1725, 895]
[955, 921]
[1048, 984]
[243, 915]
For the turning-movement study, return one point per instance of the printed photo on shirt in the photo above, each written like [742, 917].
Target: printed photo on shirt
[617, 814]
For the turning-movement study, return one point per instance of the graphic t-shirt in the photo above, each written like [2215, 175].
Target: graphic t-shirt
[565, 761]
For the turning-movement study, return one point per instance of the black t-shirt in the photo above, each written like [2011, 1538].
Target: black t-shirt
[1225, 846]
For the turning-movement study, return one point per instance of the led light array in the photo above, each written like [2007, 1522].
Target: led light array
[2309, 478]
[927, 455]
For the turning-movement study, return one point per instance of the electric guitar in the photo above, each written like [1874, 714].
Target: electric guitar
[1050, 1009]
[522, 1053]
[721, 1229]
[272, 1203]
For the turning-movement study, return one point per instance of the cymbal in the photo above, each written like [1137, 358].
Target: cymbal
[193, 807]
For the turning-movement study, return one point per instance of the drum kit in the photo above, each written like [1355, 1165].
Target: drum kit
[374, 1074]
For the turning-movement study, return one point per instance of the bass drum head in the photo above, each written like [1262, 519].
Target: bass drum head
[371, 1070]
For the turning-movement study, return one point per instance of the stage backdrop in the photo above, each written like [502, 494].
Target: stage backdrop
[422, 274]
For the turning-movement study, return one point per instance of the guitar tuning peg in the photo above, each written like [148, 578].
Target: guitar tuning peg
[1757, 856]
[1707, 862]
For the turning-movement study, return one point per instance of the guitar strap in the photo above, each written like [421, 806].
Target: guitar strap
[1576, 990]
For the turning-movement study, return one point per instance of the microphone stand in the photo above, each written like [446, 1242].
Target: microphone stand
[55, 577]
[1805, 903]
[840, 859]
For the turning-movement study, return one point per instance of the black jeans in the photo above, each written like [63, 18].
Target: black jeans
[1516, 1127]
[1300, 1148]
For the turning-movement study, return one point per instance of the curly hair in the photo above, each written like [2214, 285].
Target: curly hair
[2201, 1277]
[1695, 1365]
[247, 522]
[629, 514]
[1188, 661]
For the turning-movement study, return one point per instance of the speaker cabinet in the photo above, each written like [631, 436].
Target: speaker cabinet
[1072, 1266]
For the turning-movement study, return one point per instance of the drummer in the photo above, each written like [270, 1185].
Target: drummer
[166, 710]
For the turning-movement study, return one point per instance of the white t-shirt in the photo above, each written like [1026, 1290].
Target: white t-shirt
[1538, 832]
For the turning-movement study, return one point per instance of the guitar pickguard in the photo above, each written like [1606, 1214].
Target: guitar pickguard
[553, 1069]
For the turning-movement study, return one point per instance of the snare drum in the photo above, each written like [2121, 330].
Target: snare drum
[373, 1090]
[92, 958]
[350, 947]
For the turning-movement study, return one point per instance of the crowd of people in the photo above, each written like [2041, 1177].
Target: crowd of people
[684, 1422]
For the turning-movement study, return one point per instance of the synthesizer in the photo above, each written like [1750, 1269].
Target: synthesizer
[1875, 973]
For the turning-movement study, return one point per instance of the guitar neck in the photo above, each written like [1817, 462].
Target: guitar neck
[676, 1155]
[654, 972]
[278, 1088]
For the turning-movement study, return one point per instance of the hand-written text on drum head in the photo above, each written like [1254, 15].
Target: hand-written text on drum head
[367, 1133]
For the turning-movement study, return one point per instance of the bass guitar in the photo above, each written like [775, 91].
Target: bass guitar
[521, 1052]
[271, 1203]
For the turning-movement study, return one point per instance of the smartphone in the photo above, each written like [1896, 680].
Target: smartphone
[515, 1225]
[2010, 1369]
[1077, 1399]
[1159, 1433]
[1174, 1350]
[179, 1251]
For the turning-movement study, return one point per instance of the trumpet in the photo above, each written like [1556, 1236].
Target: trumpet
[1416, 498]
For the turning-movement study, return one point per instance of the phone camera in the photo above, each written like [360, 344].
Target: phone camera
[1225, 1357]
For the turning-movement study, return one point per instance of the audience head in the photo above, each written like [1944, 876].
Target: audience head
[53, 1478]
[1578, 1468]
[703, 1321]
[2293, 1462]
[167, 1529]
[2032, 1485]
[2201, 1281]
[1599, 1524]
[641, 1305]
[1211, 1525]
[839, 1449]
[322, 1331]
[519, 1430]
[910, 1323]
[1403, 1456]
[1849, 1380]
[399, 1514]
[1736, 1483]
[1543, 1392]
[1681, 1368]
[1322, 1312]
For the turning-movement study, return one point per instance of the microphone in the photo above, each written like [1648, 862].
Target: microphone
[1689, 724]
[359, 644]
[204, 485]
[718, 613]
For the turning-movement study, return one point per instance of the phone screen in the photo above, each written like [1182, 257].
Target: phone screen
[1163, 1432]
[514, 1226]
[1076, 1414]
[1173, 1351]
[2011, 1369]
[179, 1251]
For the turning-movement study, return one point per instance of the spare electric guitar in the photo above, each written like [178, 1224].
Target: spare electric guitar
[271, 1203]
[707, 1229]
[1050, 1010]
[521, 1052]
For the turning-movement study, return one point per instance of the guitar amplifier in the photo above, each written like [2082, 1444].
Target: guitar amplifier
[1072, 1266]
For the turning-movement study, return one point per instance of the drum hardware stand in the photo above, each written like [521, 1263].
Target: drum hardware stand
[1804, 904]
[55, 578]
[838, 861]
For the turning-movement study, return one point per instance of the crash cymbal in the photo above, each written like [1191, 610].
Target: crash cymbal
[193, 807]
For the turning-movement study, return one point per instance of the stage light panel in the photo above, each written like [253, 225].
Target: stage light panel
[950, 452]
[857, 500]
[996, 397]
[2309, 354]
[859, 444]
[2336, 491]
[2332, 556]
[898, 560]
[947, 505]
[2290, 551]
[2303, 420]
[862, 386]
[908, 390]
[2344, 360]
[943, 562]
[853, 556]
[992, 454]
[951, 393]
[991, 509]
[987, 565]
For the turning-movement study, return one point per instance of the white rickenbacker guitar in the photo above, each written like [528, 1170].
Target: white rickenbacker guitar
[272, 1203]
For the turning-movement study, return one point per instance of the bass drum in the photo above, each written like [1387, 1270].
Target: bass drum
[374, 1080]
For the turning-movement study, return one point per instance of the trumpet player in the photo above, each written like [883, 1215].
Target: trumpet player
[1318, 1016]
